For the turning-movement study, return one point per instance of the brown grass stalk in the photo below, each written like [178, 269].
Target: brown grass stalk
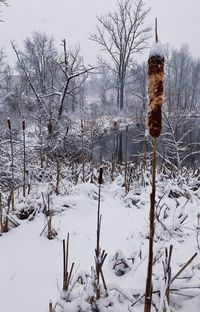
[58, 173]
[83, 156]
[24, 157]
[126, 162]
[100, 256]
[12, 196]
[149, 286]
[98, 250]
[50, 307]
[67, 274]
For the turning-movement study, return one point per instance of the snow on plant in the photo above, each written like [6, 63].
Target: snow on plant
[155, 91]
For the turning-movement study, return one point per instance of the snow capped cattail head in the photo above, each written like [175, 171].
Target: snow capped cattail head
[155, 89]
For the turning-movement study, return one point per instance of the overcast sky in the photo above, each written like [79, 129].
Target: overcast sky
[179, 22]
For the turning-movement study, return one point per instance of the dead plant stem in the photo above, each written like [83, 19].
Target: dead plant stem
[149, 286]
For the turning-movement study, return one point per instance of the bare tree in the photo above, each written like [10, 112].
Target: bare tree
[122, 35]
[72, 68]
[51, 79]
[40, 58]
[182, 85]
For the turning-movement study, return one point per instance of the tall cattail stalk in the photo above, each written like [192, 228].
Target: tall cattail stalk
[101, 152]
[67, 274]
[113, 167]
[93, 131]
[100, 256]
[12, 165]
[24, 157]
[98, 249]
[82, 143]
[41, 143]
[126, 161]
[49, 219]
[50, 306]
[167, 272]
[155, 91]
[58, 173]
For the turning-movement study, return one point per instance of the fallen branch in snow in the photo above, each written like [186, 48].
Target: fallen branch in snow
[165, 293]
[183, 268]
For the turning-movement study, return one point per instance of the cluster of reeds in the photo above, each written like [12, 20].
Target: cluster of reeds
[47, 210]
[100, 255]
[67, 273]
[12, 159]
[4, 221]
[12, 164]
[58, 174]
[5, 217]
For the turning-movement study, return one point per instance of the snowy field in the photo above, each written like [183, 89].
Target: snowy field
[31, 265]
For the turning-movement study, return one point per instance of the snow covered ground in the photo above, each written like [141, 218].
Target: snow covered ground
[31, 265]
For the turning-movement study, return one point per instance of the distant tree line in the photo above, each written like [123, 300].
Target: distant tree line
[58, 85]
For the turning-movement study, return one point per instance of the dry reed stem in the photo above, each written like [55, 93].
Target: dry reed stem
[49, 220]
[183, 268]
[149, 286]
[98, 250]
[126, 161]
[167, 271]
[154, 121]
[65, 261]
[100, 256]
[66, 274]
[58, 172]
[12, 197]
[50, 307]
[24, 158]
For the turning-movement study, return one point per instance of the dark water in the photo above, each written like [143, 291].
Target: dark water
[132, 145]
[121, 145]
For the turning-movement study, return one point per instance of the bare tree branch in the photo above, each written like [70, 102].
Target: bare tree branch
[122, 35]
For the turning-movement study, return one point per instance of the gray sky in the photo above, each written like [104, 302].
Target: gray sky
[74, 19]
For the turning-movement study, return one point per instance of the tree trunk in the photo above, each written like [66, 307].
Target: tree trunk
[121, 99]
[120, 95]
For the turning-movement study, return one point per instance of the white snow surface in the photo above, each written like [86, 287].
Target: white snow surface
[157, 49]
[31, 265]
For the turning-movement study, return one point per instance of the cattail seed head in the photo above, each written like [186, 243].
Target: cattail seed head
[23, 125]
[9, 123]
[100, 180]
[81, 124]
[155, 90]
